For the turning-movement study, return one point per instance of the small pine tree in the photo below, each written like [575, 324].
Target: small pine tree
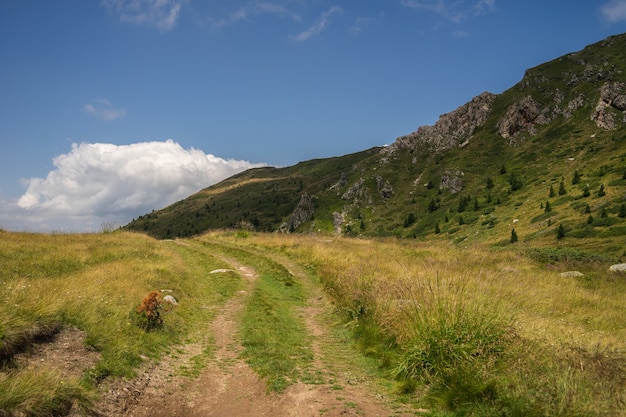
[586, 192]
[601, 192]
[587, 209]
[576, 178]
[548, 207]
[513, 236]
[432, 206]
[590, 219]
[489, 184]
[560, 233]
[476, 206]
[551, 193]
[622, 211]
[437, 229]
[461, 221]
[562, 189]
[603, 214]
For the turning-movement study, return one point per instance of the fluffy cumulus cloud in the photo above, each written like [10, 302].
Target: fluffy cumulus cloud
[162, 14]
[614, 11]
[99, 183]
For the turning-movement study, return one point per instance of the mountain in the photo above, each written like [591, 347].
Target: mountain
[545, 158]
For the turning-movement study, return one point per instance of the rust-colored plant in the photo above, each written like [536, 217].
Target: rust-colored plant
[149, 311]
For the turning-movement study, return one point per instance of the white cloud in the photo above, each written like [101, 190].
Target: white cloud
[104, 110]
[320, 25]
[162, 14]
[452, 10]
[97, 183]
[614, 11]
[252, 10]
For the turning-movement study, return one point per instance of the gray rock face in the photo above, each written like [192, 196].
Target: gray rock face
[303, 212]
[451, 130]
[521, 116]
[384, 188]
[612, 96]
[452, 179]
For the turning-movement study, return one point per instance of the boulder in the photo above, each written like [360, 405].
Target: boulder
[618, 268]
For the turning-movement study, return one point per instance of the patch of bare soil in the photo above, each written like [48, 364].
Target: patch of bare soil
[227, 386]
[63, 353]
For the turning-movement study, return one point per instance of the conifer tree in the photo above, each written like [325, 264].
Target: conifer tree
[548, 207]
[513, 236]
[560, 233]
[562, 189]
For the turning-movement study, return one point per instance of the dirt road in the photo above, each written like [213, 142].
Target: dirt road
[228, 387]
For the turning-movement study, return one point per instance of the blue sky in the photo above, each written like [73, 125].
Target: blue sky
[112, 108]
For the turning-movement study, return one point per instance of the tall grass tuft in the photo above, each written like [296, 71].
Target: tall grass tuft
[449, 341]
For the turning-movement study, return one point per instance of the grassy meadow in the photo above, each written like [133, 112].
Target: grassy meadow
[458, 330]
[476, 330]
[95, 282]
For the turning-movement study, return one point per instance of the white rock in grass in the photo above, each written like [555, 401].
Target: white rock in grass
[571, 274]
[218, 271]
[618, 268]
[170, 299]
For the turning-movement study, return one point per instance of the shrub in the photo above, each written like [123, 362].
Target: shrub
[148, 314]
[513, 236]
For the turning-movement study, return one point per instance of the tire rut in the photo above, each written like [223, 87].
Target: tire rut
[228, 387]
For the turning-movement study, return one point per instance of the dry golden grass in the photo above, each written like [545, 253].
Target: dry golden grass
[556, 343]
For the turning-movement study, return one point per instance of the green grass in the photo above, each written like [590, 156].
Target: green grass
[274, 337]
[95, 282]
[478, 331]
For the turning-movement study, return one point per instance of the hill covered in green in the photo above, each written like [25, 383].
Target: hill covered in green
[542, 162]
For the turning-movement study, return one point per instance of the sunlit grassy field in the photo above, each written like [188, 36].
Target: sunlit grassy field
[95, 282]
[477, 330]
[460, 330]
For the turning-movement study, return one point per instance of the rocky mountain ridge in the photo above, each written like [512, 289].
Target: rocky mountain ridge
[485, 164]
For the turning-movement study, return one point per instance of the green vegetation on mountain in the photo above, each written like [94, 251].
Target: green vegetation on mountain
[557, 138]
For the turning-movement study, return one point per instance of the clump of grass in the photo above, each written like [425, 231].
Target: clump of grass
[450, 342]
[27, 393]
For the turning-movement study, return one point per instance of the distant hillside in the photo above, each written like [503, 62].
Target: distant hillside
[545, 158]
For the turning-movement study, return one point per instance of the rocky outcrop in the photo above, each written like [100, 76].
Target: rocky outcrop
[451, 130]
[384, 188]
[452, 179]
[612, 96]
[302, 213]
[522, 117]
[358, 192]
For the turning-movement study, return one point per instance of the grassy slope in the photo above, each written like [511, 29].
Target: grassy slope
[476, 331]
[95, 282]
[264, 198]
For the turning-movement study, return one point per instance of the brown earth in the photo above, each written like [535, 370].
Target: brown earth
[227, 386]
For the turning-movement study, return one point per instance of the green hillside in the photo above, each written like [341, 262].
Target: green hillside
[545, 158]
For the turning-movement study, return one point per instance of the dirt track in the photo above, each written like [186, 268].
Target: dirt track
[227, 386]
